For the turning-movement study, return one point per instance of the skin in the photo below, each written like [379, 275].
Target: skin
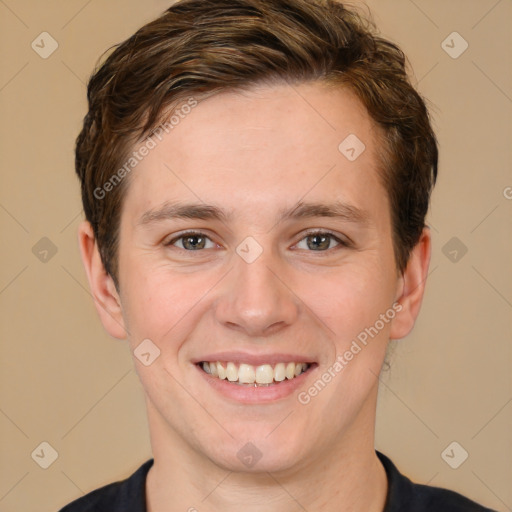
[254, 154]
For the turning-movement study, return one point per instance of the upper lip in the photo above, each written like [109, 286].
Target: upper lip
[253, 359]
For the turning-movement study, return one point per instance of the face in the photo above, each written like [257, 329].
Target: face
[252, 241]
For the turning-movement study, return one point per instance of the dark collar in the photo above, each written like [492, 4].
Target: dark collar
[402, 496]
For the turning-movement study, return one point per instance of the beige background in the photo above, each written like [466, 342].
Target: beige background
[64, 381]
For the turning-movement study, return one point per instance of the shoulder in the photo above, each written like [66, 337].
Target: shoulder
[406, 496]
[123, 496]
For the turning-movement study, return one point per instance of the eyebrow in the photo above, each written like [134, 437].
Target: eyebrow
[201, 211]
[337, 209]
[169, 211]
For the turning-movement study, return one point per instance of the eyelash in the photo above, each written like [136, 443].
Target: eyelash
[341, 243]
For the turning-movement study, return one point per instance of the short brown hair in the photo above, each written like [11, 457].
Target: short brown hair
[201, 47]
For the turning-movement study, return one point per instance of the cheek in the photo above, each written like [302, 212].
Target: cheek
[351, 299]
[158, 304]
[351, 304]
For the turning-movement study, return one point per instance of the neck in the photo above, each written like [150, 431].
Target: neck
[348, 477]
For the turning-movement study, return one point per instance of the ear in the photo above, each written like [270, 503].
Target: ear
[411, 286]
[106, 297]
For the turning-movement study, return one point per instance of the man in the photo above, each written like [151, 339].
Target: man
[255, 177]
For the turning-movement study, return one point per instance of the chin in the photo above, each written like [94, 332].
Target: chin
[257, 452]
[252, 460]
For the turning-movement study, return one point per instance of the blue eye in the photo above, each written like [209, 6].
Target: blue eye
[192, 242]
[320, 241]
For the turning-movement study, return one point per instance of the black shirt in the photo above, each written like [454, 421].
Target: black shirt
[403, 495]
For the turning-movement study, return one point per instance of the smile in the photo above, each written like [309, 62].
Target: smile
[247, 374]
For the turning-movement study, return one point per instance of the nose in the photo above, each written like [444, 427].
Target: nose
[256, 299]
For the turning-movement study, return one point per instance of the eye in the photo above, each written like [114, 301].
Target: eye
[320, 241]
[191, 241]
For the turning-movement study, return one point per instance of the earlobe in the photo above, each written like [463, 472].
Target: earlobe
[412, 287]
[101, 284]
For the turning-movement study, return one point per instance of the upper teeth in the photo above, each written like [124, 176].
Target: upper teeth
[248, 374]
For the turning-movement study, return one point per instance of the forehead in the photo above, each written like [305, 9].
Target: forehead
[264, 146]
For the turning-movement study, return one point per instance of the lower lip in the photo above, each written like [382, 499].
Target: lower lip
[249, 394]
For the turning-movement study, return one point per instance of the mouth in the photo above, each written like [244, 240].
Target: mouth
[248, 375]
